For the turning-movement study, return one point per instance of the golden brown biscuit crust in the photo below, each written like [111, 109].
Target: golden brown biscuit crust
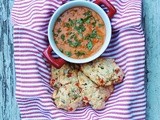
[103, 72]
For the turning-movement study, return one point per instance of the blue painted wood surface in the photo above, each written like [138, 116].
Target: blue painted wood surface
[8, 105]
[151, 21]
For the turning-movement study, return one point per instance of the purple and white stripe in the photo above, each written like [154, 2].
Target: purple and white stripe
[127, 47]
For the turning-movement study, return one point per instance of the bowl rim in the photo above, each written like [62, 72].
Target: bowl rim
[72, 4]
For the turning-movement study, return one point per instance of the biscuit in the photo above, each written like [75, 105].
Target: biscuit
[68, 97]
[54, 82]
[66, 74]
[92, 94]
[103, 72]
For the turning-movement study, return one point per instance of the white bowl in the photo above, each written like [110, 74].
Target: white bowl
[72, 4]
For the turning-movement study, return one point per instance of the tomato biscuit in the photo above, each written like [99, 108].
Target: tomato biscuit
[103, 72]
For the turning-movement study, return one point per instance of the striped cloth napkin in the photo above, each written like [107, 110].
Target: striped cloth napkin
[127, 47]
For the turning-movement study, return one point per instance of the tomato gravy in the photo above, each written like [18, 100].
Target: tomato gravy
[79, 32]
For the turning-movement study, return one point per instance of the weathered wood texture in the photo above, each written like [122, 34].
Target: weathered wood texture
[151, 20]
[8, 106]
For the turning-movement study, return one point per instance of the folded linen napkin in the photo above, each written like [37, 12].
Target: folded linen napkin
[127, 47]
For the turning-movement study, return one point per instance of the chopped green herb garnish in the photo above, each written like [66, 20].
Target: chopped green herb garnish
[59, 30]
[94, 24]
[68, 53]
[99, 37]
[81, 35]
[72, 36]
[56, 41]
[59, 19]
[93, 34]
[88, 20]
[80, 28]
[90, 45]
[87, 37]
[79, 21]
[80, 53]
[74, 44]
[100, 25]
[88, 13]
[67, 25]
[61, 50]
[54, 34]
[75, 38]
[63, 37]
[69, 33]
[71, 22]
